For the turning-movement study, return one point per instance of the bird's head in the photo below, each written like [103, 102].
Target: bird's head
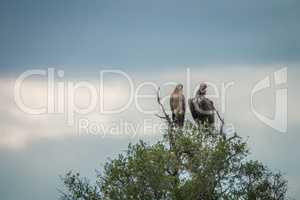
[179, 87]
[202, 89]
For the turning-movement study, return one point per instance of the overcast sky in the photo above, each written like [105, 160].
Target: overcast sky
[221, 42]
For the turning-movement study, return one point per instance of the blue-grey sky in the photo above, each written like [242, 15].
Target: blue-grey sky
[152, 40]
[135, 33]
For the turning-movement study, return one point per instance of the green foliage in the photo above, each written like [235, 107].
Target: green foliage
[79, 188]
[199, 164]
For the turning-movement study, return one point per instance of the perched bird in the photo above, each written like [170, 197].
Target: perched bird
[202, 108]
[177, 104]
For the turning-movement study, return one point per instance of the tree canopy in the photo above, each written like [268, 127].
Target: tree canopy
[192, 163]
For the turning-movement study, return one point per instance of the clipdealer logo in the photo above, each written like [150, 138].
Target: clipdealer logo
[61, 95]
[279, 121]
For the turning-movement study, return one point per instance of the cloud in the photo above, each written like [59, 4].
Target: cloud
[19, 128]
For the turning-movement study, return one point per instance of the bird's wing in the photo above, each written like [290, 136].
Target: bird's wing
[209, 104]
[172, 101]
[204, 107]
[183, 103]
[192, 109]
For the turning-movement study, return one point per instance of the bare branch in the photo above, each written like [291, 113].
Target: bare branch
[222, 121]
[166, 116]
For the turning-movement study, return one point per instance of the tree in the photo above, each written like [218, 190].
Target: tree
[200, 164]
[190, 163]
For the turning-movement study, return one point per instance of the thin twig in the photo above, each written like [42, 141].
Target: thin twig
[168, 119]
[166, 116]
[222, 121]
